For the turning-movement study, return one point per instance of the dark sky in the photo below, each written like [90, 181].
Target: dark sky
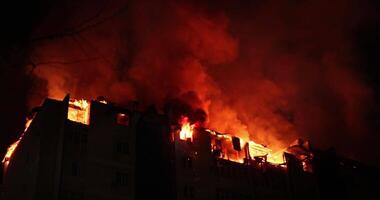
[303, 33]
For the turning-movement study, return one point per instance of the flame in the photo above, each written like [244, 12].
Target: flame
[254, 150]
[79, 111]
[103, 101]
[14, 145]
[260, 150]
[187, 129]
[277, 157]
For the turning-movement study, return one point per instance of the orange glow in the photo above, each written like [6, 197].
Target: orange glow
[277, 157]
[14, 145]
[187, 129]
[260, 150]
[222, 143]
[10, 151]
[79, 111]
[103, 101]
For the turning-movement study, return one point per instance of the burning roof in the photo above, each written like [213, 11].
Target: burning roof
[224, 146]
[79, 111]
[230, 147]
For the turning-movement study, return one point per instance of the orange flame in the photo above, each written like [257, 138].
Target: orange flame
[79, 111]
[254, 150]
[14, 145]
[187, 129]
[103, 101]
[260, 150]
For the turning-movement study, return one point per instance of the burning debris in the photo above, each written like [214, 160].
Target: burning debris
[230, 147]
[302, 151]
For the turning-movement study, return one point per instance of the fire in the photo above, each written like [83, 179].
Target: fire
[103, 101]
[223, 146]
[258, 150]
[187, 129]
[277, 157]
[79, 111]
[10, 151]
[13, 146]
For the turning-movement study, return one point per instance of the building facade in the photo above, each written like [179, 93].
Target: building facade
[78, 151]
[63, 159]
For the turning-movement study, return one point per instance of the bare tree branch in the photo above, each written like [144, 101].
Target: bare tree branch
[85, 26]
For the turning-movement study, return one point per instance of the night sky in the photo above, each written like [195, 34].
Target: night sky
[289, 69]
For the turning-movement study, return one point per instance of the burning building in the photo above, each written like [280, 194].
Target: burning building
[77, 149]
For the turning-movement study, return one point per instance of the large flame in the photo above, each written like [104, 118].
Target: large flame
[79, 111]
[14, 145]
[255, 150]
[260, 150]
[187, 129]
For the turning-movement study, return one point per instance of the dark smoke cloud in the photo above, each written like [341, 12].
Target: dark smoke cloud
[269, 71]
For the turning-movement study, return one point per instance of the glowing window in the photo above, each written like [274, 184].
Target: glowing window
[122, 119]
[79, 111]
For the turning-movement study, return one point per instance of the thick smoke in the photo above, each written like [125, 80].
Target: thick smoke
[268, 71]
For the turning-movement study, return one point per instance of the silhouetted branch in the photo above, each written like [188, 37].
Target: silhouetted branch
[83, 27]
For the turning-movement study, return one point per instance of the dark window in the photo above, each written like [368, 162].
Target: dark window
[76, 137]
[84, 138]
[76, 196]
[122, 147]
[189, 192]
[122, 119]
[121, 179]
[67, 195]
[187, 162]
[74, 169]
[221, 194]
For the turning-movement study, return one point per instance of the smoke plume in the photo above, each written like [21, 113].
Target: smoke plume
[269, 71]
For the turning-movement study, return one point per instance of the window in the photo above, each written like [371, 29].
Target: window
[187, 162]
[83, 138]
[121, 179]
[122, 119]
[221, 194]
[122, 148]
[67, 195]
[74, 169]
[76, 196]
[189, 192]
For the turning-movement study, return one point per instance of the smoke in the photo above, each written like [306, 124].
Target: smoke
[268, 71]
